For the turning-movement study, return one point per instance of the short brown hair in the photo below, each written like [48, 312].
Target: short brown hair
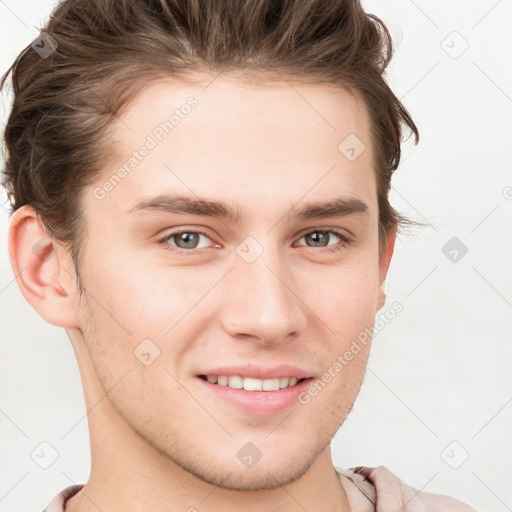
[57, 132]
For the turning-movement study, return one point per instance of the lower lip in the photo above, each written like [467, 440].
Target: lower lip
[258, 402]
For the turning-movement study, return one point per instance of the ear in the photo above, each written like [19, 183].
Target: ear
[42, 268]
[386, 253]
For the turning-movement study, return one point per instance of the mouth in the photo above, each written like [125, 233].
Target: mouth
[252, 384]
[255, 396]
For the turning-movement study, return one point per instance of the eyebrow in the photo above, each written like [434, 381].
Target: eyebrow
[177, 203]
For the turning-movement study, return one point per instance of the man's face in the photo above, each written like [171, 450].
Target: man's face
[269, 289]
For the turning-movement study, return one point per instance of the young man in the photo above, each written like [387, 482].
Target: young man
[200, 197]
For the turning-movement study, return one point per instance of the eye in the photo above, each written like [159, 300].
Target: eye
[321, 238]
[187, 240]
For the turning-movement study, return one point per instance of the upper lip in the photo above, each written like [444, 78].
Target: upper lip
[260, 372]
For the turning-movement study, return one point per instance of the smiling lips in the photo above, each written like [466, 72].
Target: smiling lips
[256, 378]
[253, 395]
[252, 384]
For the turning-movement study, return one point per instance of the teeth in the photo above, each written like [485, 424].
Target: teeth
[250, 384]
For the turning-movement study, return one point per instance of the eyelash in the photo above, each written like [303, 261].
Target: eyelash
[344, 240]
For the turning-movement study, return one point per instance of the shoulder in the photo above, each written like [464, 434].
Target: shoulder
[58, 503]
[388, 493]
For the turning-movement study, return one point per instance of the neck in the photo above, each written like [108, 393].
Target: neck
[155, 485]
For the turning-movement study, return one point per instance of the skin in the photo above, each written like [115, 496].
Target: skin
[158, 440]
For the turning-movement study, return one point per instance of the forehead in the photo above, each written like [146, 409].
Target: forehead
[260, 142]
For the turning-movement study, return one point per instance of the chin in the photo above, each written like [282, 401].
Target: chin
[261, 477]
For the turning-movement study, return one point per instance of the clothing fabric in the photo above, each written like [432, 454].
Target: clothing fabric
[368, 490]
[385, 492]
[58, 504]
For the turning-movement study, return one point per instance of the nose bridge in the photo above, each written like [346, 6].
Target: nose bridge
[261, 301]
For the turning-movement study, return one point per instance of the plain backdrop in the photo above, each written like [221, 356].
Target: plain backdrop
[436, 404]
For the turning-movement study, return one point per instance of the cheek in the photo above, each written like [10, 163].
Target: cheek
[145, 307]
[140, 296]
[332, 395]
[344, 297]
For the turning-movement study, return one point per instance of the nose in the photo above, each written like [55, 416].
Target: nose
[262, 303]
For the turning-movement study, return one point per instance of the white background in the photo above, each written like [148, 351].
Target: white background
[439, 384]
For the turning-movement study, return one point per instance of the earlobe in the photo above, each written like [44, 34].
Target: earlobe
[38, 265]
